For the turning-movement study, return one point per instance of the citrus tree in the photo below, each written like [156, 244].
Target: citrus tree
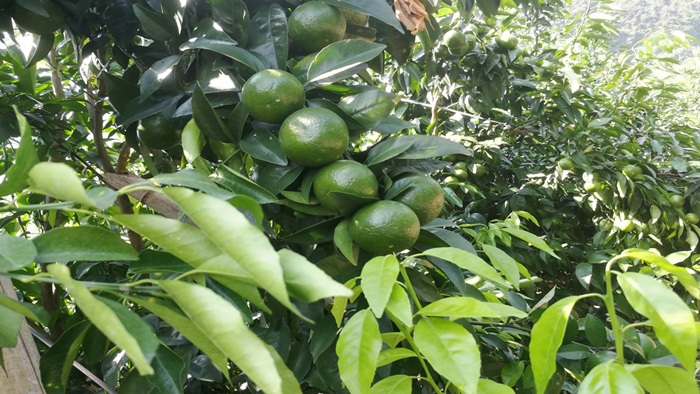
[350, 196]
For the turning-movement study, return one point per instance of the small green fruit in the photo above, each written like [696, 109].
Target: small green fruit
[556, 222]
[507, 41]
[462, 175]
[605, 225]
[627, 226]
[460, 165]
[677, 200]
[631, 171]
[566, 164]
[451, 158]
[478, 170]
[692, 218]
[593, 187]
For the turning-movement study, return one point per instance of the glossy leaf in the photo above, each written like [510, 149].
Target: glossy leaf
[426, 146]
[155, 24]
[532, 239]
[358, 351]
[595, 331]
[56, 363]
[390, 355]
[504, 263]
[306, 281]
[341, 60]
[239, 184]
[369, 108]
[397, 384]
[672, 319]
[687, 280]
[43, 46]
[223, 324]
[207, 120]
[388, 149]
[657, 379]
[343, 241]
[169, 369]
[58, 180]
[192, 141]
[193, 179]
[399, 305]
[467, 261]
[277, 178]
[25, 158]
[31, 311]
[153, 78]
[9, 327]
[324, 333]
[610, 378]
[105, 319]
[381, 11]
[547, 336]
[268, 35]
[459, 307]
[451, 350]
[15, 252]
[263, 145]
[82, 243]
[490, 387]
[378, 278]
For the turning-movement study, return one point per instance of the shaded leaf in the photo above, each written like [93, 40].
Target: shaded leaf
[358, 351]
[82, 243]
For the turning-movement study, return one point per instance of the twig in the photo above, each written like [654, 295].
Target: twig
[407, 101]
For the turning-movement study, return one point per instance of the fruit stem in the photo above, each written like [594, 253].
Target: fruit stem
[409, 286]
[610, 306]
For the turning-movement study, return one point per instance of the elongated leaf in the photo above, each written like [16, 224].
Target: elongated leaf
[532, 239]
[184, 326]
[192, 141]
[155, 24]
[671, 317]
[208, 35]
[392, 125]
[342, 239]
[358, 351]
[207, 119]
[388, 150]
[153, 78]
[657, 379]
[9, 327]
[268, 35]
[31, 311]
[324, 333]
[82, 243]
[306, 281]
[223, 324]
[378, 278]
[289, 380]
[610, 378]
[397, 384]
[169, 373]
[60, 181]
[15, 252]
[263, 145]
[229, 229]
[426, 146]
[193, 179]
[547, 335]
[399, 305]
[687, 280]
[467, 261]
[105, 319]
[239, 184]
[490, 387]
[44, 44]
[451, 350]
[504, 263]
[16, 178]
[341, 60]
[457, 307]
[277, 178]
[381, 11]
[55, 365]
[390, 355]
[488, 7]
[369, 108]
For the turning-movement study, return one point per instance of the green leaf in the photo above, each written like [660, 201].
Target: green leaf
[155, 25]
[574, 351]
[208, 35]
[31, 311]
[153, 78]
[192, 141]
[488, 7]
[56, 363]
[547, 336]
[671, 317]
[369, 108]
[152, 261]
[233, 17]
[458, 307]
[379, 10]
[378, 278]
[9, 327]
[348, 203]
[358, 351]
[451, 350]
[169, 368]
[397, 384]
[268, 35]
[398, 187]
[399, 305]
[44, 44]
[58, 180]
[236, 121]
[276, 178]
[223, 324]
[239, 184]
[388, 149]
[16, 178]
[610, 378]
[686, 279]
[504, 263]
[193, 179]
[289, 380]
[105, 319]
[306, 281]
[229, 229]
[390, 355]
[426, 146]
[341, 60]
[490, 387]
[15, 252]
[342, 239]
[595, 331]
[82, 243]
[249, 205]
[392, 125]
[186, 327]
[324, 333]
[120, 91]
[467, 261]
[207, 120]
[532, 239]
[657, 379]
[263, 145]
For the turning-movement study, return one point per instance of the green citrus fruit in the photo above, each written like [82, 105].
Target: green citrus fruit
[460, 165]
[627, 226]
[35, 23]
[314, 137]
[450, 181]
[272, 95]
[347, 177]
[507, 41]
[605, 225]
[566, 164]
[354, 18]
[631, 170]
[451, 158]
[676, 200]
[593, 187]
[456, 42]
[462, 175]
[385, 227]
[479, 170]
[692, 218]
[424, 197]
[314, 25]
[441, 51]
[556, 222]
[157, 132]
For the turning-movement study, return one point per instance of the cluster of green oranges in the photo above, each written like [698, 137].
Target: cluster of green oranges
[318, 137]
[460, 170]
[457, 43]
[31, 21]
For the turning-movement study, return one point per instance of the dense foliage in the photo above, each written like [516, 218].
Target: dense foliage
[564, 258]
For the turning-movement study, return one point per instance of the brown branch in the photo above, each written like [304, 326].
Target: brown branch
[156, 201]
[123, 159]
